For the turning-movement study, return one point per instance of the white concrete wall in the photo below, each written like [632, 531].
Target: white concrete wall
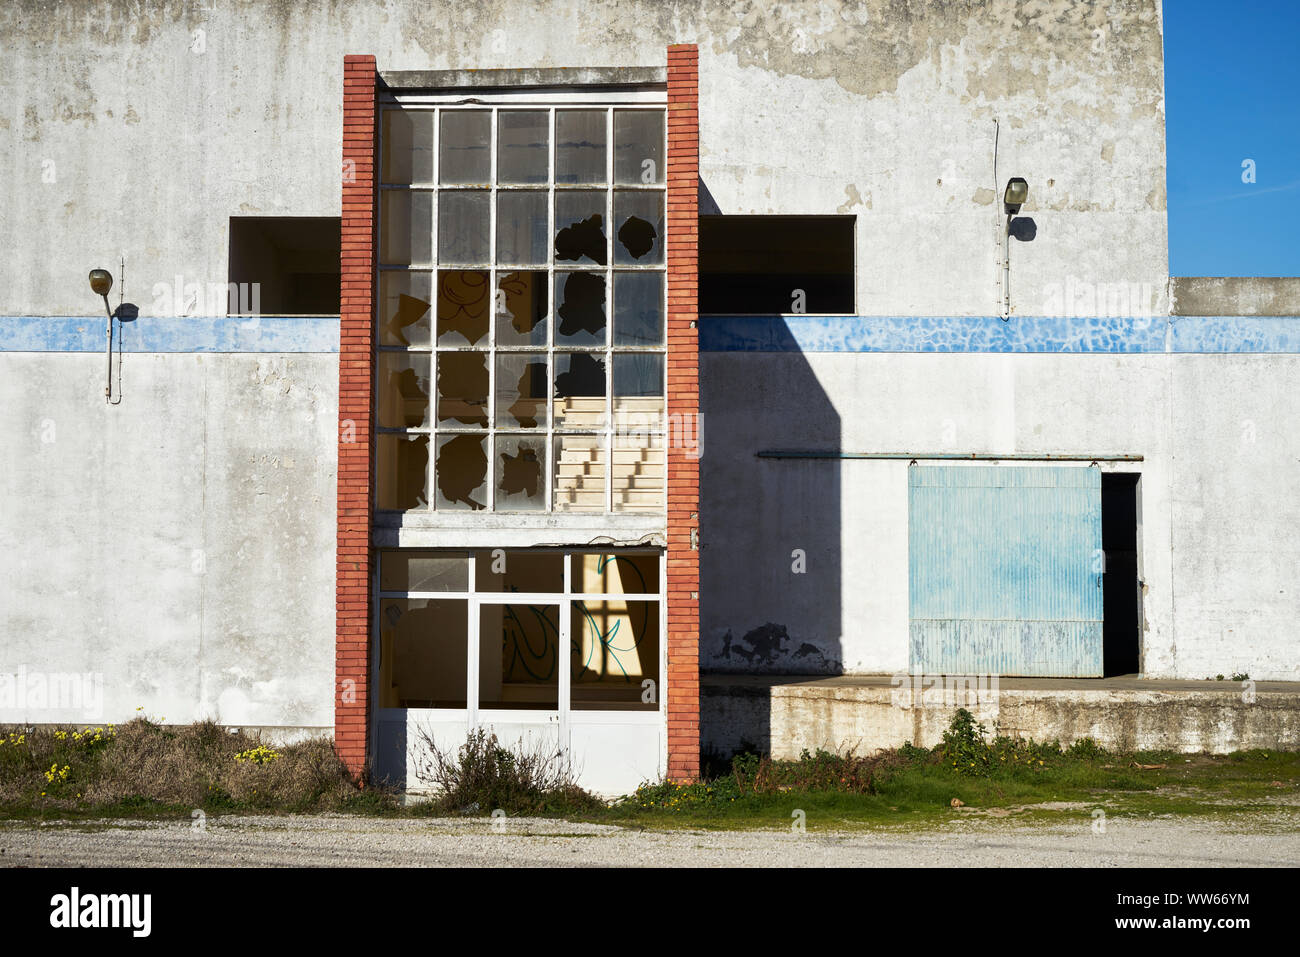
[180, 544]
[1218, 510]
[138, 129]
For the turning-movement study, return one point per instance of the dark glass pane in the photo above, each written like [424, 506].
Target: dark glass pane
[638, 147]
[638, 308]
[521, 228]
[519, 657]
[522, 137]
[506, 570]
[639, 374]
[580, 146]
[424, 653]
[406, 227]
[463, 236]
[407, 147]
[464, 147]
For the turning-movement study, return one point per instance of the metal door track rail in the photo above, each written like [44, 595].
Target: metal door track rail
[943, 456]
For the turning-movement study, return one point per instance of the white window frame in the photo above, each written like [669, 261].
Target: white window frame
[551, 101]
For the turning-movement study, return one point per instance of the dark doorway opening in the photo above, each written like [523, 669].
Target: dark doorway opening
[284, 265]
[766, 265]
[1122, 608]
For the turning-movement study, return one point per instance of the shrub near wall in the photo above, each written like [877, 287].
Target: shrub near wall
[143, 764]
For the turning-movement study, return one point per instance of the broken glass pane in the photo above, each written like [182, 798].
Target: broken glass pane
[423, 652]
[521, 473]
[405, 570]
[522, 137]
[579, 482]
[463, 227]
[521, 309]
[403, 388]
[407, 147]
[579, 390]
[462, 472]
[638, 308]
[638, 147]
[580, 308]
[401, 468]
[405, 302]
[462, 389]
[519, 651]
[464, 146]
[521, 227]
[580, 146]
[406, 233]
[521, 390]
[614, 650]
[639, 227]
[463, 302]
[580, 227]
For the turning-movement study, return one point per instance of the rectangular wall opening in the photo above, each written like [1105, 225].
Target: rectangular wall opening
[1122, 611]
[285, 265]
[765, 265]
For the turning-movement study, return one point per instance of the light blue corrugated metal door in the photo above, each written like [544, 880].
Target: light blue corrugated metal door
[1005, 570]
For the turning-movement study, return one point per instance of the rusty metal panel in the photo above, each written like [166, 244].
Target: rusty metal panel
[1005, 570]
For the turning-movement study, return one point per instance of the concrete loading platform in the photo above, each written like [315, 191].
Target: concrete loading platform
[784, 714]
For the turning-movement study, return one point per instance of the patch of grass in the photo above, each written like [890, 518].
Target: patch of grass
[914, 786]
[144, 769]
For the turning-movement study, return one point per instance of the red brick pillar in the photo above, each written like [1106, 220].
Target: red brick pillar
[356, 457]
[683, 592]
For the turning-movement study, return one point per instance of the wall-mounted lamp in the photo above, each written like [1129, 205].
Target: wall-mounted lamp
[1013, 197]
[101, 281]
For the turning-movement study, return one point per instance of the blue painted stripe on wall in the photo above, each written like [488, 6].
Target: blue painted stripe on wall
[1179, 334]
[1182, 334]
[171, 334]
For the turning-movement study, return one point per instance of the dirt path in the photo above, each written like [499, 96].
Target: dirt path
[327, 840]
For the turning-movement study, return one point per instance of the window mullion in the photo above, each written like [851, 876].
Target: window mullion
[492, 314]
[431, 490]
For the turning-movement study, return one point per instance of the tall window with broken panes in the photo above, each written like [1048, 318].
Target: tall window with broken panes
[520, 326]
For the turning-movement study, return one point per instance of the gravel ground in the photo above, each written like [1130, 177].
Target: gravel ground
[336, 840]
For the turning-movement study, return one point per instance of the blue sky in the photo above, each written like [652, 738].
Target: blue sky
[1232, 93]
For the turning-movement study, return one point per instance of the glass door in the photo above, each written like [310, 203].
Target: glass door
[521, 689]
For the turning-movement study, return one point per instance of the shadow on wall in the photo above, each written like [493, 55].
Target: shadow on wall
[770, 529]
